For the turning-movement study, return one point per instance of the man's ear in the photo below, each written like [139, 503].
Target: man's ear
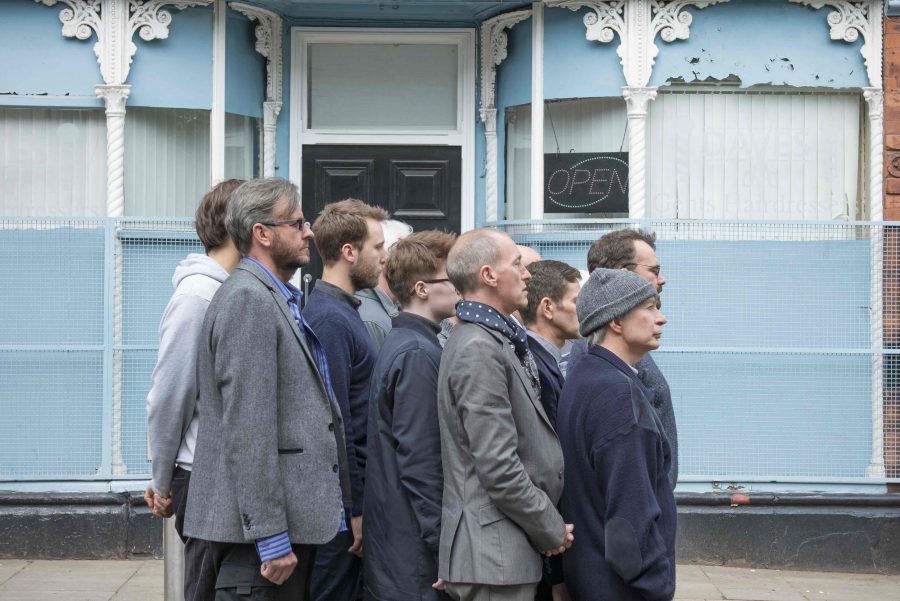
[420, 290]
[546, 307]
[615, 325]
[486, 274]
[262, 234]
[349, 253]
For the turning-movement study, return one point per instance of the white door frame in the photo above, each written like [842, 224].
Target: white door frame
[463, 135]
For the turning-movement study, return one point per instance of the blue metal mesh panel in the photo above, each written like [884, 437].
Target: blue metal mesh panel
[769, 349]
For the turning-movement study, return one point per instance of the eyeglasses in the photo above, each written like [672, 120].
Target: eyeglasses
[295, 223]
[654, 269]
[435, 281]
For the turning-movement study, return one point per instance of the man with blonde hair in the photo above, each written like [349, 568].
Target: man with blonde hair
[351, 243]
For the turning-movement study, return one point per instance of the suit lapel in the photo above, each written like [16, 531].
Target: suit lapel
[517, 365]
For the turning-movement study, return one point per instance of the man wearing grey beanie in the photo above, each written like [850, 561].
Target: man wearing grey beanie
[617, 457]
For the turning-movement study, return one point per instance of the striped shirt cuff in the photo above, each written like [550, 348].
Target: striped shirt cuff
[273, 547]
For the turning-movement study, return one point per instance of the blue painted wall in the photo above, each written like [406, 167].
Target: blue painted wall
[575, 67]
[36, 59]
[185, 82]
[762, 42]
[513, 87]
[283, 131]
[245, 68]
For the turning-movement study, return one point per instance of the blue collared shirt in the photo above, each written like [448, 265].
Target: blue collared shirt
[279, 545]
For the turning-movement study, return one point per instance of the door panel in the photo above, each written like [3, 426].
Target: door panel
[420, 185]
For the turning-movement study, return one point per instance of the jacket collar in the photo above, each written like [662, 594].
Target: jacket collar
[378, 295]
[337, 294]
[614, 360]
[416, 323]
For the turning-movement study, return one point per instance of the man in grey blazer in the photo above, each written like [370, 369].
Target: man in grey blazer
[502, 462]
[270, 458]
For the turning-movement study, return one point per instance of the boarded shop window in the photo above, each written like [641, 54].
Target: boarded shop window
[754, 155]
[52, 162]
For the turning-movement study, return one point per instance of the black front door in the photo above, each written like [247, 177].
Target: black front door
[420, 185]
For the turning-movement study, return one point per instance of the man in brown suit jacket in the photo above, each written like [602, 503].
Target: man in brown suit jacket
[503, 466]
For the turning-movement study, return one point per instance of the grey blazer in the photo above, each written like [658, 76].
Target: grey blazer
[270, 453]
[503, 466]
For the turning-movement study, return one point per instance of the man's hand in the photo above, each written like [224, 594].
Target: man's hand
[356, 527]
[439, 585]
[159, 506]
[566, 544]
[279, 570]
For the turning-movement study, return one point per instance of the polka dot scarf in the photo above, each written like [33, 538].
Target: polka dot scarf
[490, 318]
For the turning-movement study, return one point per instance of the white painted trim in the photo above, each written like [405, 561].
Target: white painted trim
[217, 114]
[463, 135]
[537, 110]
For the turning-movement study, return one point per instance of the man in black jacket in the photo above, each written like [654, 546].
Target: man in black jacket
[551, 319]
[404, 480]
[617, 456]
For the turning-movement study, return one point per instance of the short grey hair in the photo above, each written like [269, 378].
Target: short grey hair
[596, 337]
[254, 202]
[472, 251]
[394, 232]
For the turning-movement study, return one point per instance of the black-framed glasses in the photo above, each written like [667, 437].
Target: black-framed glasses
[299, 224]
[654, 269]
[435, 281]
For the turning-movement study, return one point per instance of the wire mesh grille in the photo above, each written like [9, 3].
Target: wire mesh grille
[778, 342]
[782, 348]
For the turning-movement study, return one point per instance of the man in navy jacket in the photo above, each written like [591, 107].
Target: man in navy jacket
[616, 453]
[351, 243]
[404, 479]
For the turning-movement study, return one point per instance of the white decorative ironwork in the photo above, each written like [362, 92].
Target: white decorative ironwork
[115, 22]
[268, 44]
[493, 52]
[848, 21]
[637, 22]
[636, 103]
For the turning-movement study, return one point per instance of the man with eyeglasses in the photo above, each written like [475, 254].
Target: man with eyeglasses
[404, 478]
[635, 250]
[270, 462]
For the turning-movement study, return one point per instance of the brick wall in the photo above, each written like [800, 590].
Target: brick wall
[892, 244]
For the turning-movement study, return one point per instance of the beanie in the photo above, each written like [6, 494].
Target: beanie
[608, 294]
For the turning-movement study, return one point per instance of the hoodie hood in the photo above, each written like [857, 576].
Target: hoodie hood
[197, 264]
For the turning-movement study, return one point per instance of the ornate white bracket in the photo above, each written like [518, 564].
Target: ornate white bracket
[493, 52]
[115, 22]
[268, 44]
[637, 22]
[849, 20]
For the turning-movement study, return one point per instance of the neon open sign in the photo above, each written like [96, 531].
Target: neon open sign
[586, 183]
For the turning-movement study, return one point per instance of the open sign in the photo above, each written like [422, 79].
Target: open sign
[586, 183]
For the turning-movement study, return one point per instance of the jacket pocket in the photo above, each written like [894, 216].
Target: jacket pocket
[290, 451]
[488, 514]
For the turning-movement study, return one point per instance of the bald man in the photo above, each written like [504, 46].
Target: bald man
[502, 461]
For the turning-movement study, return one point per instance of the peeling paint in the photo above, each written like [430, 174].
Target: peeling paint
[762, 42]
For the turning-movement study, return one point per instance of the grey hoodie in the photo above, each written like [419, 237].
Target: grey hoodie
[172, 400]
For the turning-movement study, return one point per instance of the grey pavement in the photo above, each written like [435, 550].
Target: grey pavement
[142, 580]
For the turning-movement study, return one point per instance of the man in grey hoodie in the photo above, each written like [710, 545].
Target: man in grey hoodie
[172, 401]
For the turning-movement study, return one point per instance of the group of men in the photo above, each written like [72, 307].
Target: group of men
[423, 427]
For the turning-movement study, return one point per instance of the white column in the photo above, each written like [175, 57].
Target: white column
[270, 118]
[217, 114]
[875, 101]
[489, 118]
[115, 96]
[636, 101]
[537, 110]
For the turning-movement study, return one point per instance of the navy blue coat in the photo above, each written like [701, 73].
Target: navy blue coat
[332, 314]
[550, 376]
[617, 489]
[404, 479]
